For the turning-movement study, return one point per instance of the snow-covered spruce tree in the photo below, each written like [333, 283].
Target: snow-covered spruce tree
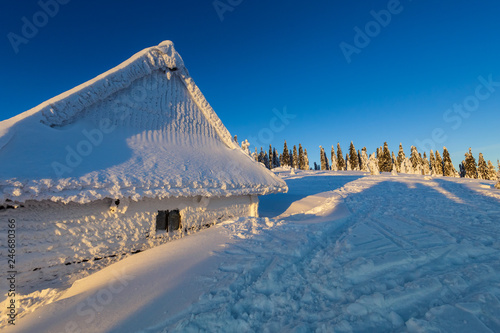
[236, 139]
[295, 158]
[276, 159]
[306, 158]
[385, 160]
[334, 163]
[461, 167]
[373, 165]
[394, 161]
[285, 157]
[266, 160]
[414, 157]
[448, 168]
[426, 168]
[359, 160]
[302, 161]
[400, 158]
[498, 168]
[348, 163]
[271, 161]
[394, 171]
[322, 158]
[326, 160]
[492, 173]
[432, 164]
[244, 146]
[261, 156]
[482, 168]
[364, 160]
[353, 157]
[340, 158]
[407, 165]
[315, 166]
[439, 164]
[470, 165]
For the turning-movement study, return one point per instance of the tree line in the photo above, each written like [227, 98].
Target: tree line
[383, 160]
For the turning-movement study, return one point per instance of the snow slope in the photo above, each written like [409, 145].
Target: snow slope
[369, 254]
[142, 129]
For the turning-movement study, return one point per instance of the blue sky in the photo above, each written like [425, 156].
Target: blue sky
[400, 85]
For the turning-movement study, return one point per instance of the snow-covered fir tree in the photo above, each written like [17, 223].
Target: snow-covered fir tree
[322, 157]
[285, 157]
[414, 158]
[470, 165]
[276, 159]
[244, 146]
[306, 159]
[302, 160]
[373, 165]
[236, 139]
[394, 171]
[340, 158]
[400, 158]
[364, 160]
[448, 168]
[482, 168]
[271, 161]
[439, 164]
[385, 160]
[406, 166]
[295, 158]
[492, 173]
[256, 155]
[348, 163]
[266, 160]
[353, 157]
[426, 168]
[432, 164]
[462, 171]
[334, 163]
[261, 156]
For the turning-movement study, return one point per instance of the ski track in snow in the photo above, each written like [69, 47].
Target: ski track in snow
[414, 255]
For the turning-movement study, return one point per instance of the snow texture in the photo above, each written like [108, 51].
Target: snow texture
[352, 253]
[141, 129]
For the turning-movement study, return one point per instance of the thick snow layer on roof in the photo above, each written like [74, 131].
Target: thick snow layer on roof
[142, 129]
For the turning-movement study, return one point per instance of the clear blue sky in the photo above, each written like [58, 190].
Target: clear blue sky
[267, 55]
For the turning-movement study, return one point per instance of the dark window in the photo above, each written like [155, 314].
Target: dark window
[161, 220]
[174, 220]
[168, 220]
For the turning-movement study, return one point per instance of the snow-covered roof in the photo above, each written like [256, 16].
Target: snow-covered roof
[141, 129]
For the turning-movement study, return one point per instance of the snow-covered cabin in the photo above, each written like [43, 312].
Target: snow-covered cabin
[121, 163]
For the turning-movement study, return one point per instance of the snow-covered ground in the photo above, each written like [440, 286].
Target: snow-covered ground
[341, 252]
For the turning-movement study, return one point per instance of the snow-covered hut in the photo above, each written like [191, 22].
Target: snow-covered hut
[119, 164]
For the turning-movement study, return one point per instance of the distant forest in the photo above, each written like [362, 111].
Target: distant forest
[383, 160]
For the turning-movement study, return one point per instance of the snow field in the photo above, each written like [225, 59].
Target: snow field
[414, 255]
[352, 253]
